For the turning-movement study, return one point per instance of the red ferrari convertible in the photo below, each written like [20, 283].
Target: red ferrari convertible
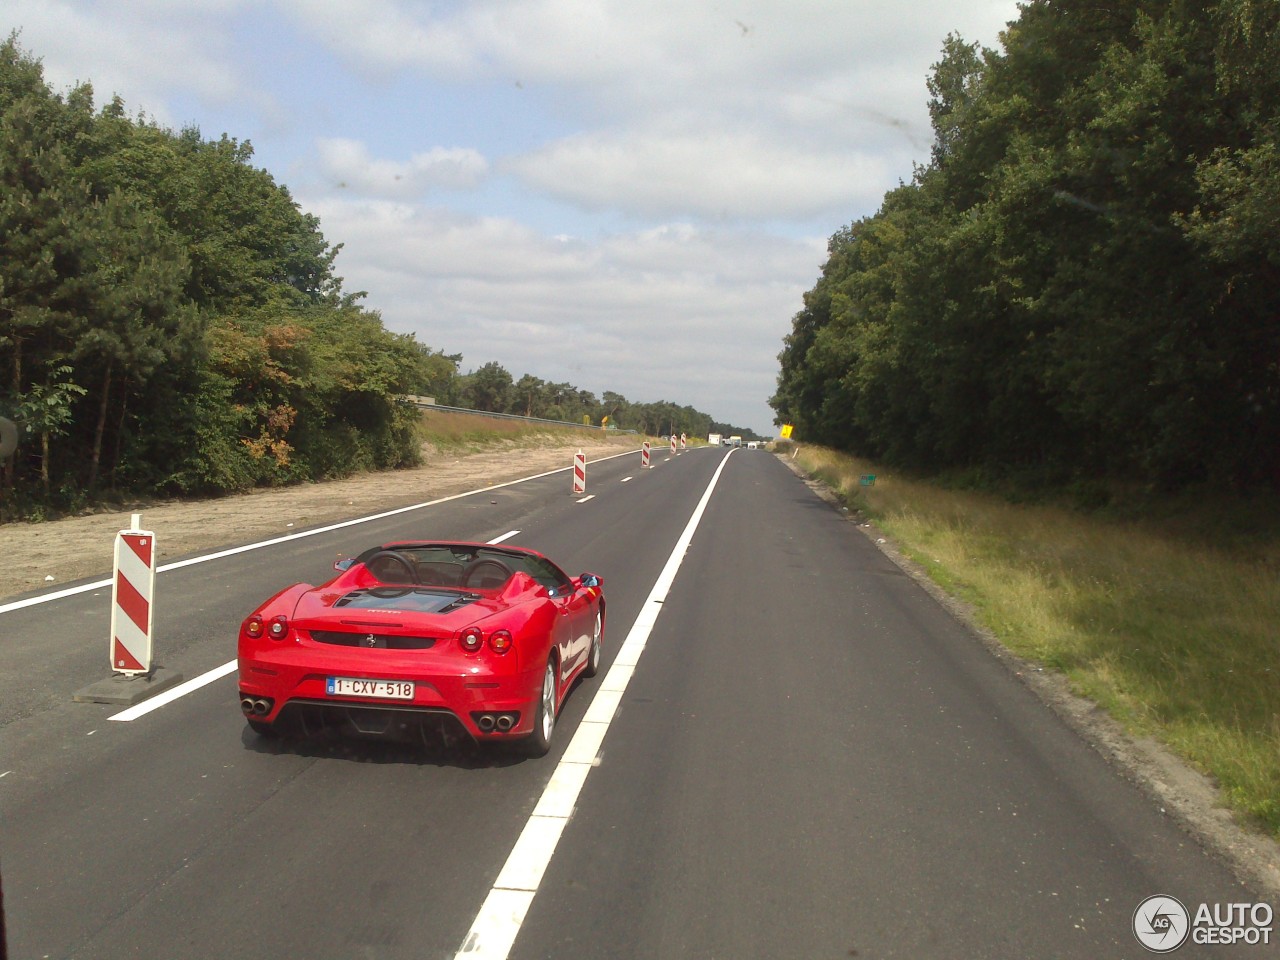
[424, 636]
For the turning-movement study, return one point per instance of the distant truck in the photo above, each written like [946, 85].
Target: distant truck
[714, 439]
[735, 441]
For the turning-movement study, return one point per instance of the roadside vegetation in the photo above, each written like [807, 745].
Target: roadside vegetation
[1165, 616]
[1083, 282]
[460, 433]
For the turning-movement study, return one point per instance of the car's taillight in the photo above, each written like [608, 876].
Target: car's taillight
[471, 639]
[278, 628]
[500, 641]
[253, 627]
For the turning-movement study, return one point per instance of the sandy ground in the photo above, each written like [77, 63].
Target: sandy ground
[40, 555]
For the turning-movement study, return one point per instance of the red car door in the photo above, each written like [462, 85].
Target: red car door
[575, 622]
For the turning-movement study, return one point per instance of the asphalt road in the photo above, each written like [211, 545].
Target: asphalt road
[811, 759]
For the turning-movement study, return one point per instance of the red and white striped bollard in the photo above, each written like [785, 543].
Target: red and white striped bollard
[132, 599]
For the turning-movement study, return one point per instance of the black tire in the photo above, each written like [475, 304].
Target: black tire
[544, 716]
[593, 658]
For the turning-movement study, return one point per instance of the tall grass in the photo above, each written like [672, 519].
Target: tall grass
[470, 433]
[1176, 637]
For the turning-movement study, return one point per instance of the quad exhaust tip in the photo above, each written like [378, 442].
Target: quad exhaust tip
[256, 706]
[496, 722]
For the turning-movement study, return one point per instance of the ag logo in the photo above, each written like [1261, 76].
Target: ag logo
[1161, 924]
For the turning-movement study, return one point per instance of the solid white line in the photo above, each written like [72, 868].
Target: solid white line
[589, 496]
[506, 536]
[56, 595]
[494, 930]
[181, 690]
[191, 561]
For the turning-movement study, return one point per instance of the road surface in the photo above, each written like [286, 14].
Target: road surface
[804, 756]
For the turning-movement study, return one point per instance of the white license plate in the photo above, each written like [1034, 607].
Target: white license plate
[374, 689]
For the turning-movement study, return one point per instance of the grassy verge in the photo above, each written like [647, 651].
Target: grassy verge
[459, 433]
[1175, 635]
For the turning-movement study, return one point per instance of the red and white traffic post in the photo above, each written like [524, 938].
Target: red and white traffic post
[673, 444]
[579, 473]
[132, 599]
[684, 442]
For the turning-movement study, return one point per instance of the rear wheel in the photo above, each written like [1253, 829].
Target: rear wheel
[593, 658]
[544, 719]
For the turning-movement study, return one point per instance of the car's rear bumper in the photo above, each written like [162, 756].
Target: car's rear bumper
[293, 679]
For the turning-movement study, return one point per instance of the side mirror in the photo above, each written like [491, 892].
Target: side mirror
[590, 580]
[344, 564]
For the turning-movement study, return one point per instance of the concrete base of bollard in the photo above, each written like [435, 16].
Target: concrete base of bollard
[127, 690]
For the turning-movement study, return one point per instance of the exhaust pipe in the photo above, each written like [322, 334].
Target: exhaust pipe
[246, 704]
[261, 707]
[485, 723]
[504, 722]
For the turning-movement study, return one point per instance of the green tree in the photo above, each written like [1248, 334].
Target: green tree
[45, 245]
[1083, 281]
[528, 397]
[45, 410]
[489, 388]
[136, 304]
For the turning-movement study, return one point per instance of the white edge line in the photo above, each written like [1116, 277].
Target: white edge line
[497, 924]
[181, 690]
[56, 595]
[191, 561]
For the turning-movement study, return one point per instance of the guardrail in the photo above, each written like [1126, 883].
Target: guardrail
[513, 416]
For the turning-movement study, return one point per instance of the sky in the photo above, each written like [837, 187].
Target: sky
[624, 195]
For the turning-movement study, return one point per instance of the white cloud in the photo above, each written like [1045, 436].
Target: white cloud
[673, 312]
[650, 55]
[378, 36]
[144, 52]
[757, 110]
[348, 164]
[730, 174]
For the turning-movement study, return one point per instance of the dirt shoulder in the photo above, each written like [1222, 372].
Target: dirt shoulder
[40, 555]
